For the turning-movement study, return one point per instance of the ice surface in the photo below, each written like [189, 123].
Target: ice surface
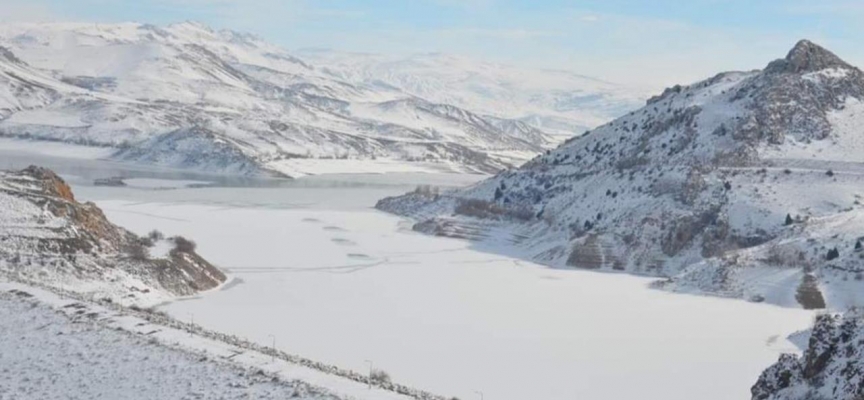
[441, 315]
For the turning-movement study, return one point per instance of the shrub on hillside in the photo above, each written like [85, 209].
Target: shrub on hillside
[138, 250]
[832, 254]
[427, 191]
[488, 210]
[155, 235]
[184, 245]
[379, 376]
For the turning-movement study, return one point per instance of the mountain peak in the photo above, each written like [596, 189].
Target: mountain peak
[807, 56]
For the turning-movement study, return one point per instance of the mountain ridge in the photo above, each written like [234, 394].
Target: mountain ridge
[694, 187]
[278, 113]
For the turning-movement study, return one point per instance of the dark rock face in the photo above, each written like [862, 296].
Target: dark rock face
[792, 98]
[832, 366]
[807, 56]
[49, 233]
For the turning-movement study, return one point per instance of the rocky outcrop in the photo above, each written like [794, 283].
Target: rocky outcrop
[832, 366]
[807, 56]
[48, 236]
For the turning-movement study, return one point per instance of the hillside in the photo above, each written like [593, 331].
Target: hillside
[744, 185]
[48, 237]
[558, 102]
[187, 96]
[830, 368]
[59, 355]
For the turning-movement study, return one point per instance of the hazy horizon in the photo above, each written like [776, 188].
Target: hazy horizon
[622, 41]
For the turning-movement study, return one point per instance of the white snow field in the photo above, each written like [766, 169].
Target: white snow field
[57, 348]
[328, 278]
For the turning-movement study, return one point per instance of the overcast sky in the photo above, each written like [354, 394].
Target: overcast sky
[650, 43]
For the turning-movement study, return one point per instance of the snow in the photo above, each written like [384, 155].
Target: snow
[45, 356]
[132, 86]
[299, 167]
[695, 188]
[572, 101]
[61, 348]
[844, 145]
[161, 249]
[334, 281]
[54, 149]
[155, 183]
[46, 117]
[826, 73]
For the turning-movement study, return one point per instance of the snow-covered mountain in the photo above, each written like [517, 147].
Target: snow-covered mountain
[188, 96]
[558, 102]
[48, 237]
[747, 185]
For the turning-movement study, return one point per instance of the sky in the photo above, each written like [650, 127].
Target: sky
[647, 43]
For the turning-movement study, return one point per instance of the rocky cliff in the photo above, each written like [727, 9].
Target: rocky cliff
[48, 236]
[832, 366]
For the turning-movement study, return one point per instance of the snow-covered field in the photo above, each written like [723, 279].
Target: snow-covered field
[55, 347]
[45, 356]
[327, 277]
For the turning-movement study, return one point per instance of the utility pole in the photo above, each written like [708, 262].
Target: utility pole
[273, 355]
[191, 323]
[370, 374]
[479, 393]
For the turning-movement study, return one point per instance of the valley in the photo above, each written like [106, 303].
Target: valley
[198, 202]
[312, 266]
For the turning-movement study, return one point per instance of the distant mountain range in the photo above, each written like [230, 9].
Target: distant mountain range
[558, 102]
[187, 96]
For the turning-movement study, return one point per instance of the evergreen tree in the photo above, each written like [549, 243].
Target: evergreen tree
[833, 253]
[789, 220]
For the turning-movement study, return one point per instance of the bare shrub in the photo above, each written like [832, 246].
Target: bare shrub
[427, 191]
[379, 376]
[488, 210]
[184, 245]
[155, 235]
[145, 241]
[138, 251]
[784, 256]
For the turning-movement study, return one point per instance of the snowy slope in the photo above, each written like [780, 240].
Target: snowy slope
[47, 236]
[63, 345]
[554, 101]
[187, 96]
[696, 187]
[56, 357]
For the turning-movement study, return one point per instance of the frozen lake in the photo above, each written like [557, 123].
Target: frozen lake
[334, 280]
[350, 284]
